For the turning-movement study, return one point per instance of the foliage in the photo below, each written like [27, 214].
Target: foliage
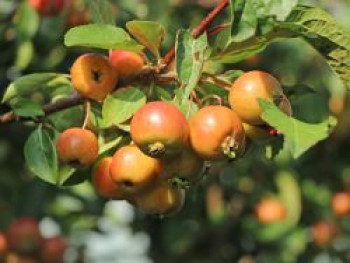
[303, 166]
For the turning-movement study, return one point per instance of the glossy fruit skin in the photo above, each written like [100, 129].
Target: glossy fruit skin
[270, 211]
[103, 182]
[341, 203]
[246, 91]
[324, 233]
[133, 171]
[24, 236]
[162, 199]
[48, 7]
[53, 249]
[159, 129]
[93, 76]
[187, 166]
[77, 146]
[125, 63]
[216, 133]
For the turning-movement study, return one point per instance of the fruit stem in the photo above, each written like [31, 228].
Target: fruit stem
[87, 114]
[196, 98]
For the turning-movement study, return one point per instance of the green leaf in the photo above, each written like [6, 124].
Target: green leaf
[209, 88]
[163, 94]
[190, 56]
[72, 177]
[254, 25]
[244, 20]
[186, 106]
[71, 117]
[150, 34]
[101, 12]
[27, 108]
[299, 136]
[121, 105]
[290, 195]
[25, 54]
[26, 22]
[327, 36]
[40, 155]
[65, 173]
[276, 8]
[101, 36]
[28, 84]
[108, 145]
[238, 51]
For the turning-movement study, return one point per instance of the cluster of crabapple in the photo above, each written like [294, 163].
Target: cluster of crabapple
[24, 243]
[166, 147]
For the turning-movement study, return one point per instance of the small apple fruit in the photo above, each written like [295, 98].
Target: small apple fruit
[162, 199]
[216, 133]
[53, 249]
[24, 236]
[103, 182]
[270, 211]
[187, 166]
[125, 62]
[93, 76]
[77, 146]
[159, 129]
[250, 87]
[132, 170]
[341, 203]
[324, 233]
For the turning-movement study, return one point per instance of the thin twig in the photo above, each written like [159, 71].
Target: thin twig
[196, 98]
[217, 29]
[59, 105]
[196, 32]
[217, 98]
[87, 113]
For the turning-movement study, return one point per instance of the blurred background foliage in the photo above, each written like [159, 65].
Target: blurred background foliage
[218, 223]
